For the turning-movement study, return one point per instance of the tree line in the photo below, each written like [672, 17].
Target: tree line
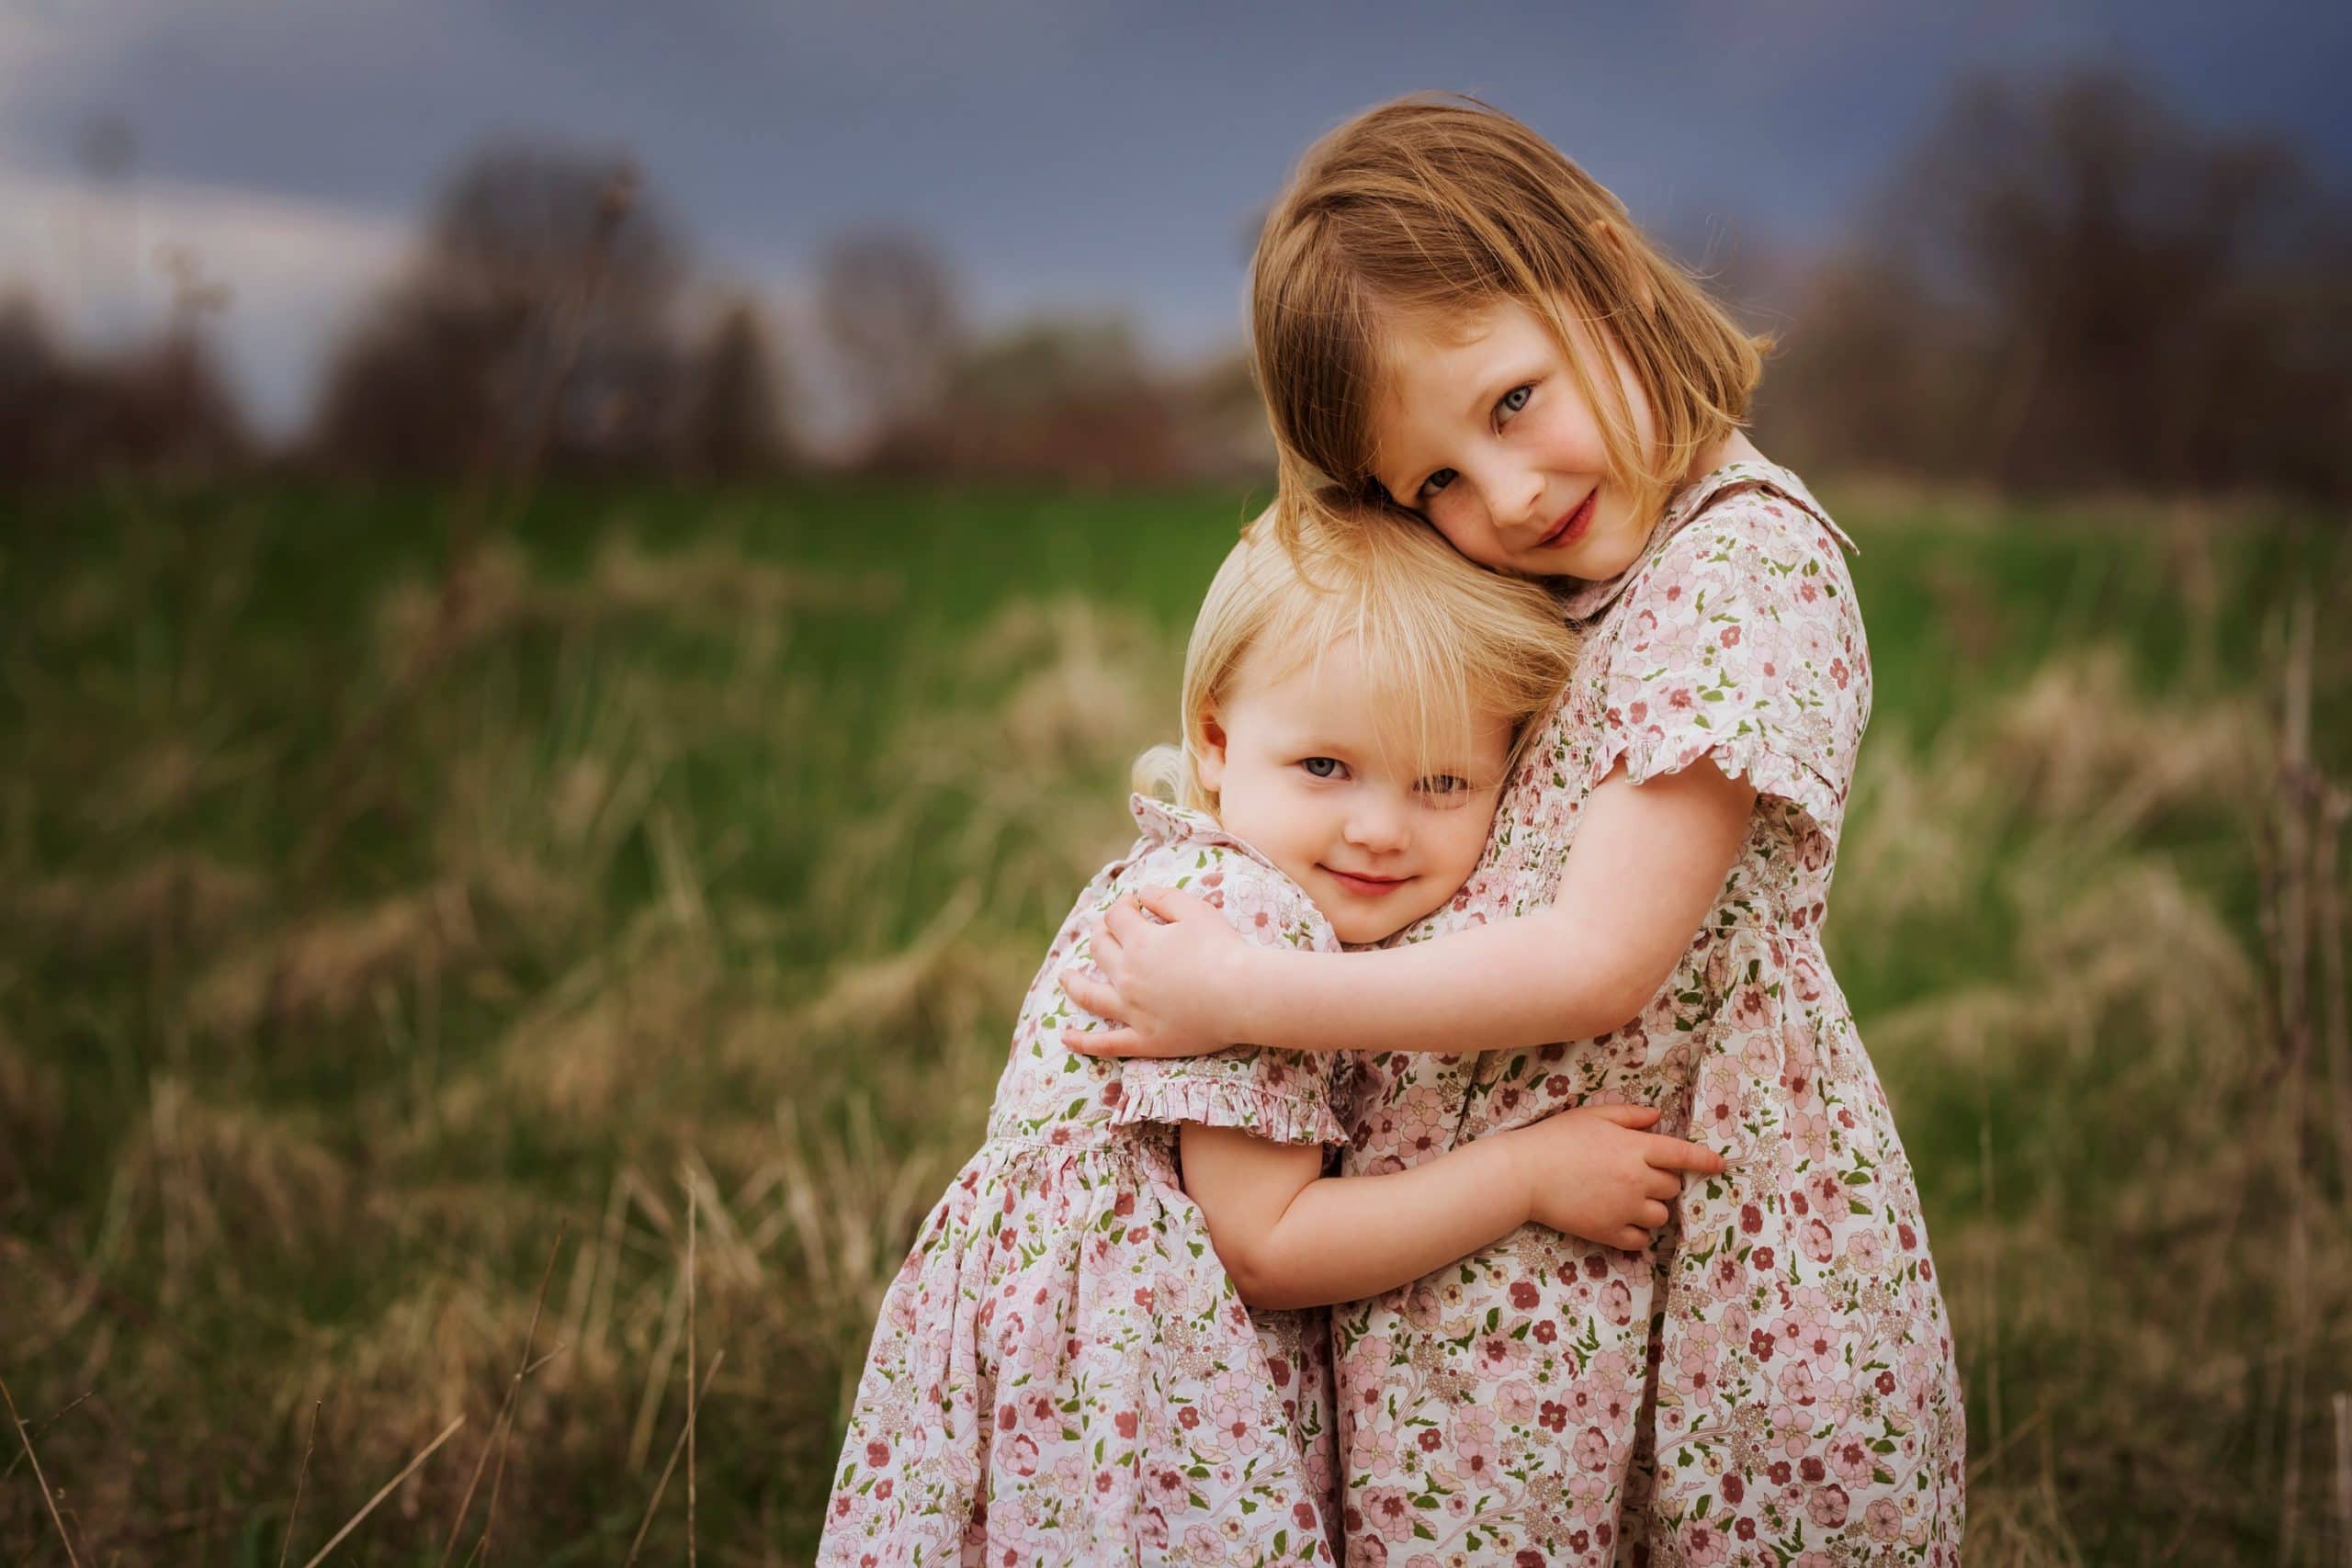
[2065, 285]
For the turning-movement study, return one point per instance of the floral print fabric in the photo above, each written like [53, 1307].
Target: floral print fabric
[1062, 1372]
[1773, 1382]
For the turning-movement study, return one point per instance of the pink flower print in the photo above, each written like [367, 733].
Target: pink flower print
[1020, 1454]
[1475, 1447]
[1617, 1303]
[1515, 1402]
[1826, 1505]
[1702, 1544]
[1592, 1448]
[1815, 1240]
[1390, 1512]
[1730, 637]
[1724, 1276]
[1882, 1520]
[1863, 1249]
[1850, 1458]
[1202, 1542]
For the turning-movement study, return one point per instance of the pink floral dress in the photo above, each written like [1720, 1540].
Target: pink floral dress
[1772, 1383]
[1062, 1372]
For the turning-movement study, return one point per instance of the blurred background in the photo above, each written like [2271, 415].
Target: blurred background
[578, 583]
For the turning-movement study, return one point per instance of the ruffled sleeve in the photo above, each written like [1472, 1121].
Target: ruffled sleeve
[1742, 641]
[1285, 1096]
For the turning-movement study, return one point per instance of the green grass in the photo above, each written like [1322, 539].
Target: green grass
[715, 844]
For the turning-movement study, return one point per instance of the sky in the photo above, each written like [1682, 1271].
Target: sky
[1069, 156]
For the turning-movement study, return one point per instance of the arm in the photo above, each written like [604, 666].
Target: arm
[1648, 863]
[1290, 1238]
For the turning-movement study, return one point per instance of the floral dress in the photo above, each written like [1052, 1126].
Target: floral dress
[1771, 1382]
[1062, 1372]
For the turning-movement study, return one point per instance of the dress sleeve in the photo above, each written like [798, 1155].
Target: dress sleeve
[1743, 642]
[1284, 1097]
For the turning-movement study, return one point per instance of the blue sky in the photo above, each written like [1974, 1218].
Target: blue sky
[1098, 157]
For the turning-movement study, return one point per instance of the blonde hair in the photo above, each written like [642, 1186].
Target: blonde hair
[1441, 640]
[1436, 206]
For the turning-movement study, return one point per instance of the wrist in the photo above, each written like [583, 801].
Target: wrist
[1241, 999]
[1515, 1170]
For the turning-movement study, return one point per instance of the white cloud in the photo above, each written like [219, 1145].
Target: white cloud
[295, 271]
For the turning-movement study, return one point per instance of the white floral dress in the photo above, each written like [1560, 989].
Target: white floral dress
[1062, 1372]
[1772, 1383]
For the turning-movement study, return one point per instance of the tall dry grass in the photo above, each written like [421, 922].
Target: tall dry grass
[658, 967]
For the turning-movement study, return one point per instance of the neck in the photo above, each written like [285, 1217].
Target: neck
[1734, 447]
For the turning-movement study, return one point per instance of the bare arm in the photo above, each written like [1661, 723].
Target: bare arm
[1647, 866]
[1292, 1237]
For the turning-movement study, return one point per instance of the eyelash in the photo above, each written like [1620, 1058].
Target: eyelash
[1455, 784]
[1527, 387]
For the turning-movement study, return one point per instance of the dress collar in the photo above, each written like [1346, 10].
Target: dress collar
[1586, 601]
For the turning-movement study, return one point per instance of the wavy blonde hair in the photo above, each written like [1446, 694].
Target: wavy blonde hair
[1428, 207]
[1444, 643]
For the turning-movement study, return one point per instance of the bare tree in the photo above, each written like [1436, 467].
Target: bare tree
[2069, 284]
[733, 423]
[890, 313]
[537, 313]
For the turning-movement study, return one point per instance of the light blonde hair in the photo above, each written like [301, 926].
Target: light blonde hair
[1443, 641]
[1432, 207]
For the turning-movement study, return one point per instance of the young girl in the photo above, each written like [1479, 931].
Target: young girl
[1455, 323]
[1064, 1370]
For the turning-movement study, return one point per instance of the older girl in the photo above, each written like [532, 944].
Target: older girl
[1457, 325]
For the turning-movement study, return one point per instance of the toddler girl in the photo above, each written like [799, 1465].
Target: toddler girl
[1064, 1370]
[1454, 323]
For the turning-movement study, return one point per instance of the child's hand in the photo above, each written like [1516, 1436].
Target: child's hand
[1164, 979]
[1592, 1172]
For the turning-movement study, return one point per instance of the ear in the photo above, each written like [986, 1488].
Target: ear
[1208, 752]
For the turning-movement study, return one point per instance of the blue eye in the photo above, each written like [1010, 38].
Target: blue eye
[1321, 767]
[1516, 399]
[1445, 784]
[1437, 482]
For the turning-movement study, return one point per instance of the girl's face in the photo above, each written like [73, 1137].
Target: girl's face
[1310, 772]
[1481, 430]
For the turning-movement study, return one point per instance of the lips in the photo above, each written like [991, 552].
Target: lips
[1572, 527]
[1370, 886]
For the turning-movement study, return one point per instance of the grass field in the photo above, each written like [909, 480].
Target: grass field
[406, 972]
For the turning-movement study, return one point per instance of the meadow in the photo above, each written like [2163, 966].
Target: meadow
[513, 978]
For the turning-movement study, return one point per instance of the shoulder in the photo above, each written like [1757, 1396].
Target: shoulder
[1187, 851]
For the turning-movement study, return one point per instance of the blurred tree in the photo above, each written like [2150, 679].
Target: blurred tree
[891, 315]
[533, 322]
[1069, 399]
[733, 423]
[2070, 285]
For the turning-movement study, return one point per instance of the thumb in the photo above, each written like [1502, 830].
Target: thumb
[1634, 1116]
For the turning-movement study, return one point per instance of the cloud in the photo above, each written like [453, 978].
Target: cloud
[93, 255]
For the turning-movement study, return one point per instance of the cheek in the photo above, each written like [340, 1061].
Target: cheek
[1460, 523]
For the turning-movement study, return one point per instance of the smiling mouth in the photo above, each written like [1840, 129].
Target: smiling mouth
[1571, 528]
[1354, 882]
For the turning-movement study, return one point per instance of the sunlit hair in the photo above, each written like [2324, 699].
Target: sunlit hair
[1443, 643]
[1417, 212]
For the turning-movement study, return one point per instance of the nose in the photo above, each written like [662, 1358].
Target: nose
[1513, 496]
[1377, 823]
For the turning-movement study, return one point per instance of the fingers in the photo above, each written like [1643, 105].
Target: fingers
[1632, 1238]
[1097, 997]
[1652, 1213]
[1104, 1042]
[1121, 920]
[1167, 902]
[1681, 1154]
[1634, 1116]
[1661, 1184]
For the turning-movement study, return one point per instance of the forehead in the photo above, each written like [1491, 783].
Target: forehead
[1429, 365]
[1332, 694]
